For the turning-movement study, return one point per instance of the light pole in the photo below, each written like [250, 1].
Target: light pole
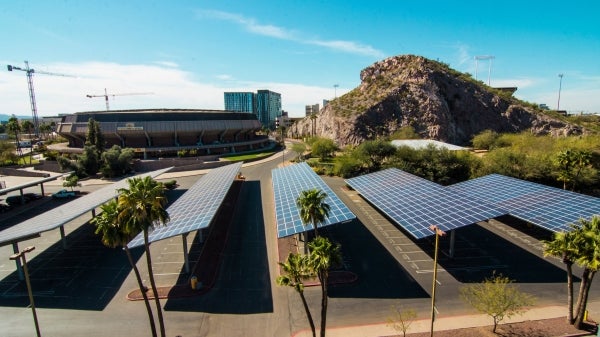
[438, 232]
[21, 255]
[559, 87]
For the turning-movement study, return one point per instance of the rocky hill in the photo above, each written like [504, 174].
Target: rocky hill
[438, 102]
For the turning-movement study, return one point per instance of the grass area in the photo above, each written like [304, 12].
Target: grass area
[22, 161]
[248, 156]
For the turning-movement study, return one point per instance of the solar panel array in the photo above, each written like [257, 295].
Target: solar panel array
[416, 203]
[544, 206]
[59, 216]
[197, 207]
[288, 183]
[32, 183]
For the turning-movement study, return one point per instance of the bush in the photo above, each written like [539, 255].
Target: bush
[171, 184]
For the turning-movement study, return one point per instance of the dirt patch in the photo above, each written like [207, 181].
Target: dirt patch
[540, 328]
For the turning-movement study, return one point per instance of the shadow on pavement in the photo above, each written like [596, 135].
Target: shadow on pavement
[479, 253]
[379, 274]
[243, 284]
[85, 276]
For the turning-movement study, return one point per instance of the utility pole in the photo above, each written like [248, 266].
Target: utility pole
[21, 256]
[335, 86]
[438, 232]
[559, 88]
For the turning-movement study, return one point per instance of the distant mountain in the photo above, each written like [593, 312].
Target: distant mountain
[4, 118]
[437, 101]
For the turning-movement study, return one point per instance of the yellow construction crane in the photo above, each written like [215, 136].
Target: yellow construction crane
[113, 95]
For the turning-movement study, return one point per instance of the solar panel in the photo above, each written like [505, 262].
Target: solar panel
[416, 203]
[544, 206]
[288, 183]
[32, 183]
[58, 216]
[197, 207]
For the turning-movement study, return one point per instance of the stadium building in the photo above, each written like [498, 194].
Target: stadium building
[163, 132]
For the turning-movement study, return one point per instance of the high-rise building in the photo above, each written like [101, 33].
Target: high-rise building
[265, 104]
[268, 106]
[312, 109]
[240, 101]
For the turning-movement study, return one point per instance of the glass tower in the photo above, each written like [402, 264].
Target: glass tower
[268, 107]
[240, 101]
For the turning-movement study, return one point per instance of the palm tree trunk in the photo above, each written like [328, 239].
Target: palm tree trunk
[586, 282]
[153, 285]
[308, 315]
[143, 290]
[570, 292]
[323, 278]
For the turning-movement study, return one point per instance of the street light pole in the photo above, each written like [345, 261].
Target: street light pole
[438, 232]
[559, 87]
[21, 255]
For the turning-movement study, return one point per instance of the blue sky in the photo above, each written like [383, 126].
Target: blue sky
[187, 53]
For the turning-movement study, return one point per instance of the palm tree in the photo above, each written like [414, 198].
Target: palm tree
[570, 164]
[114, 235]
[323, 255]
[582, 246]
[142, 209]
[563, 247]
[588, 241]
[313, 209]
[296, 269]
[14, 127]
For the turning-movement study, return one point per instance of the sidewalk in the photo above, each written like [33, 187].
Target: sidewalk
[449, 323]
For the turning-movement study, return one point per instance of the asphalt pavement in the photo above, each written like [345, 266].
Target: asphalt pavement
[82, 290]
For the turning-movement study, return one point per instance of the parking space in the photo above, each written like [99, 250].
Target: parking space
[480, 250]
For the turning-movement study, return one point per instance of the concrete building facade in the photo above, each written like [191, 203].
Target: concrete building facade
[161, 132]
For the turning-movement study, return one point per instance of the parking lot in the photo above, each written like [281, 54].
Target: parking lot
[87, 283]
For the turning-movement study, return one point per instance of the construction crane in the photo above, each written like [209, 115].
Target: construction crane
[29, 72]
[484, 57]
[113, 95]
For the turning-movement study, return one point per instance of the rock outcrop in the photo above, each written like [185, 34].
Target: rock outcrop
[438, 102]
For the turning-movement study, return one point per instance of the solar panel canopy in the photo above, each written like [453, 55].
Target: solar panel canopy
[288, 184]
[416, 203]
[196, 208]
[544, 206]
[58, 216]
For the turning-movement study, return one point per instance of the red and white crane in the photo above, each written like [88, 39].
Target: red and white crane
[113, 95]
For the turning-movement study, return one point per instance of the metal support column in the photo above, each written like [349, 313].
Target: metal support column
[452, 240]
[18, 262]
[185, 253]
[63, 238]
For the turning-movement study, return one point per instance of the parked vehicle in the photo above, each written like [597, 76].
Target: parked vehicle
[63, 194]
[15, 200]
[5, 208]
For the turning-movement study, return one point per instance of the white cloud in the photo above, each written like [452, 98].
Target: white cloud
[167, 64]
[254, 27]
[521, 83]
[225, 77]
[170, 88]
[349, 47]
